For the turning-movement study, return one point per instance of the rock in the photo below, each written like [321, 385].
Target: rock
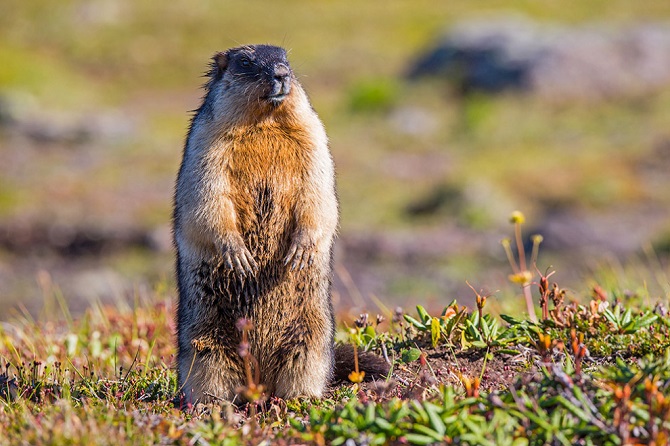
[558, 62]
[19, 116]
[482, 55]
[71, 241]
[620, 232]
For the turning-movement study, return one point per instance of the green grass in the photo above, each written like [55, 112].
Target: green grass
[107, 378]
[591, 373]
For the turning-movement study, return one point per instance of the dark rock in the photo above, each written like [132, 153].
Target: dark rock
[620, 232]
[484, 56]
[70, 241]
[558, 62]
[50, 127]
[443, 197]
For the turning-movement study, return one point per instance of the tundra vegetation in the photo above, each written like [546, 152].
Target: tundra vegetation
[595, 372]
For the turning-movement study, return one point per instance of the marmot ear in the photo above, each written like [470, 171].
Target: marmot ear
[219, 63]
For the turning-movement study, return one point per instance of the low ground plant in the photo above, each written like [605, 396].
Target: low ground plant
[591, 369]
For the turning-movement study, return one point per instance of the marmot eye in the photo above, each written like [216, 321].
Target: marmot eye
[246, 63]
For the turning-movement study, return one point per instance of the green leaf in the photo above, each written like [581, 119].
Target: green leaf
[379, 439]
[610, 316]
[428, 431]
[435, 331]
[383, 424]
[641, 322]
[479, 344]
[435, 419]
[423, 314]
[621, 364]
[474, 318]
[484, 328]
[414, 322]
[370, 414]
[296, 424]
[410, 355]
[420, 412]
[419, 439]
[474, 331]
[510, 320]
[578, 412]
[402, 412]
[465, 344]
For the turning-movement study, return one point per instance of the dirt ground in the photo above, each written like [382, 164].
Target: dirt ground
[443, 366]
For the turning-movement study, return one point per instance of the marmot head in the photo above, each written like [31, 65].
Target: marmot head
[254, 75]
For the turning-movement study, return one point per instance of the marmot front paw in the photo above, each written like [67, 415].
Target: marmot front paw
[237, 257]
[301, 252]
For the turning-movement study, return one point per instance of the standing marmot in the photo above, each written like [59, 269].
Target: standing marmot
[254, 222]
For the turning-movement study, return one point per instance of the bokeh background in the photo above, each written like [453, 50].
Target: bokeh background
[444, 117]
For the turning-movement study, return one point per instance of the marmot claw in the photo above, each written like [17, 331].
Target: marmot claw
[300, 254]
[237, 257]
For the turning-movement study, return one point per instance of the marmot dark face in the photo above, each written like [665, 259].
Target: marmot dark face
[258, 74]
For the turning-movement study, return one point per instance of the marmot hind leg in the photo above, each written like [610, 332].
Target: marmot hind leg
[297, 350]
[209, 375]
[306, 373]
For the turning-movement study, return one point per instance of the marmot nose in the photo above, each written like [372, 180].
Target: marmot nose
[281, 80]
[280, 72]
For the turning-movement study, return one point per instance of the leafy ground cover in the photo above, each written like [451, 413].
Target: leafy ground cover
[596, 372]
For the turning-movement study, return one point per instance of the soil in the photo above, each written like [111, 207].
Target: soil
[443, 366]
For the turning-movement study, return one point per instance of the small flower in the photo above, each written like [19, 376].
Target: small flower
[244, 324]
[398, 314]
[522, 277]
[356, 377]
[243, 349]
[517, 218]
[545, 341]
[362, 320]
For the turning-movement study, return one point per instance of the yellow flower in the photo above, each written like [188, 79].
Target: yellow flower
[545, 341]
[517, 217]
[356, 377]
[522, 277]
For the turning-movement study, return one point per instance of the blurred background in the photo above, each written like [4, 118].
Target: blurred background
[443, 117]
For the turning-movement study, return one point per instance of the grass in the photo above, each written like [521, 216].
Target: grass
[106, 379]
[591, 373]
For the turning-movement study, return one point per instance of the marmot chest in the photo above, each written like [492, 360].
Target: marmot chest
[267, 172]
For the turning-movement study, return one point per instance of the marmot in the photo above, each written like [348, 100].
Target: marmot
[255, 217]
